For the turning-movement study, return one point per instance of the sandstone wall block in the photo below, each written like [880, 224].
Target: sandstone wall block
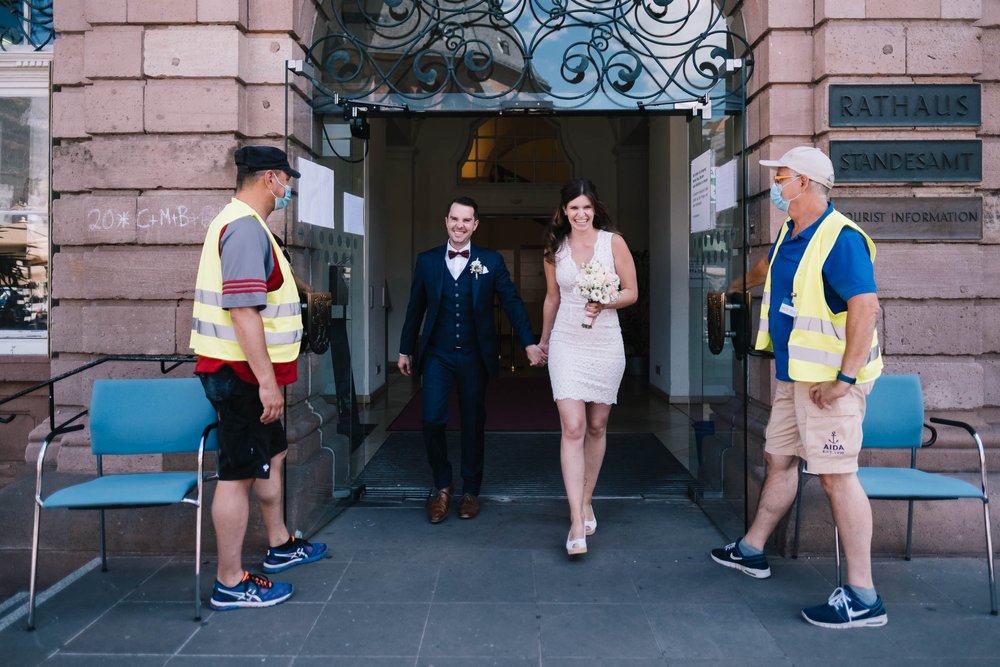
[106, 11]
[991, 167]
[114, 107]
[185, 315]
[991, 66]
[903, 9]
[787, 109]
[859, 48]
[266, 16]
[931, 49]
[223, 11]
[135, 328]
[948, 384]
[262, 58]
[178, 217]
[991, 381]
[264, 111]
[162, 11]
[67, 60]
[203, 51]
[839, 9]
[145, 161]
[963, 9]
[125, 273]
[790, 55]
[991, 109]
[211, 105]
[68, 116]
[93, 219]
[932, 327]
[928, 271]
[113, 52]
[70, 16]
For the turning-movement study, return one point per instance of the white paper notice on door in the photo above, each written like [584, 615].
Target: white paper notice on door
[354, 214]
[315, 188]
[701, 193]
[725, 187]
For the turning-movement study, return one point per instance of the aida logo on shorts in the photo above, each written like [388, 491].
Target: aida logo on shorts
[832, 445]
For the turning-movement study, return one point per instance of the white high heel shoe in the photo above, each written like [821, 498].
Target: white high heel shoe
[576, 547]
[590, 525]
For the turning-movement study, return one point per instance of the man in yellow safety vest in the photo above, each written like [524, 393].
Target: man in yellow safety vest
[818, 317]
[246, 330]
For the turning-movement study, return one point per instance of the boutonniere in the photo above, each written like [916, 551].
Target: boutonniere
[476, 268]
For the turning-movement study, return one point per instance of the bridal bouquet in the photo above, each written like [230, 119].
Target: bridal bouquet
[596, 284]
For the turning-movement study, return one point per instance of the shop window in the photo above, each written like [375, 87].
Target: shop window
[515, 150]
[25, 28]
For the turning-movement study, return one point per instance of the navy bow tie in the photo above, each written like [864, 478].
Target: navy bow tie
[452, 254]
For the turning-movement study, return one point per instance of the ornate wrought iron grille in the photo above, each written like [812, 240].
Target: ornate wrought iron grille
[26, 23]
[469, 55]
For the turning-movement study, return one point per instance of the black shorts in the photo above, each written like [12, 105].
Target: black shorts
[246, 446]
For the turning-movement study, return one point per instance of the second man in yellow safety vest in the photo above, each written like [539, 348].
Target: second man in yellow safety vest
[818, 316]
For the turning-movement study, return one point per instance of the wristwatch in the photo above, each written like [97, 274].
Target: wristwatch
[846, 378]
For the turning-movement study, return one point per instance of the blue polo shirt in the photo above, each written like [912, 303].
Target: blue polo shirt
[847, 272]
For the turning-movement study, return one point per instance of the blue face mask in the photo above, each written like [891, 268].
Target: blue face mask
[280, 203]
[283, 201]
[778, 200]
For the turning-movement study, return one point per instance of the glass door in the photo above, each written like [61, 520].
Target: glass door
[717, 320]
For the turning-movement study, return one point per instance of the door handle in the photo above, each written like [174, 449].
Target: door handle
[739, 308]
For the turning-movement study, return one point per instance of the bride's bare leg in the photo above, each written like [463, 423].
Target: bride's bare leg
[573, 418]
[594, 445]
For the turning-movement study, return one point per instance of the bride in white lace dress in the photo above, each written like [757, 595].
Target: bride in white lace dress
[585, 365]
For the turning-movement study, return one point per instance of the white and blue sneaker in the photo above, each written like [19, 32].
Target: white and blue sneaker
[844, 610]
[294, 552]
[254, 590]
[730, 556]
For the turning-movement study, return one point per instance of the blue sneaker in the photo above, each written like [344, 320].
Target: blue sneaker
[730, 556]
[253, 591]
[844, 610]
[294, 552]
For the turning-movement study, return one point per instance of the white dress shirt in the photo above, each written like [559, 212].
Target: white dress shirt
[458, 263]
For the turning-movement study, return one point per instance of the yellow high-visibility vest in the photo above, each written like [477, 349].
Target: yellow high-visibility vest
[819, 336]
[212, 332]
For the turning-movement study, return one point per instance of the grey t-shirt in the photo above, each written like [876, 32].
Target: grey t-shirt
[247, 264]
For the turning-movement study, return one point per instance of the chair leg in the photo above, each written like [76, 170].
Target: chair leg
[909, 531]
[197, 563]
[989, 559]
[104, 550]
[836, 550]
[34, 568]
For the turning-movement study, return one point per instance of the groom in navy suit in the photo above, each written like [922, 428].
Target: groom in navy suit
[454, 286]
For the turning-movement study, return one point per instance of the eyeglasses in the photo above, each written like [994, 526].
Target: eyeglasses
[779, 179]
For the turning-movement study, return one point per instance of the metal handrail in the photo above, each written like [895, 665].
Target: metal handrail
[173, 360]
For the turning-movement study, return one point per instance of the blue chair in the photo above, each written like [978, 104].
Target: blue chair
[132, 417]
[894, 419]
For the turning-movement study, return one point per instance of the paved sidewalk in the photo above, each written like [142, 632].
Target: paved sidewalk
[499, 590]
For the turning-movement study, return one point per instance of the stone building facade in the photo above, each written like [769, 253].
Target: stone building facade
[150, 98]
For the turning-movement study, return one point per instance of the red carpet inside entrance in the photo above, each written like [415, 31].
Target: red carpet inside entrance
[512, 404]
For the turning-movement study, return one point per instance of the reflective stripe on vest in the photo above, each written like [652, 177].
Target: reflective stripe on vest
[212, 332]
[819, 336]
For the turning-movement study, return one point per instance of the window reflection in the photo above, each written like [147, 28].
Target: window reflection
[24, 225]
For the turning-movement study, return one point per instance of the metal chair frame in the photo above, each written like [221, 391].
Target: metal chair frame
[206, 442]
